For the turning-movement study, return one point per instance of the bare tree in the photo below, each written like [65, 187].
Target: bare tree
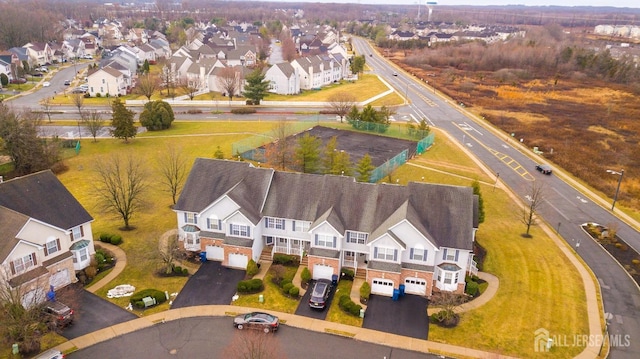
[78, 101]
[173, 170]
[189, 86]
[447, 302]
[46, 106]
[167, 78]
[253, 345]
[120, 186]
[147, 85]
[341, 103]
[229, 81]
[288, 47]
[92, 121]
[535, 200]
[169, 251]
[281, 152]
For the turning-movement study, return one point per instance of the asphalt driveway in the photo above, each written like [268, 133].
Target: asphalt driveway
[407, 316]
[305, 310]
[94, 313]
[211, 284]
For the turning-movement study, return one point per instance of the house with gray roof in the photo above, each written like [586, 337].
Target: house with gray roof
[46, 235]
[419, 236]
[283, 78]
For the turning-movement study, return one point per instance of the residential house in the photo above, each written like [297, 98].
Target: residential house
[107, 80]
[317, 71]
[39, 53]
[283, 78]
[148, 53]
[420, 235]
[46, 235]
[23, 55]
[9, 64]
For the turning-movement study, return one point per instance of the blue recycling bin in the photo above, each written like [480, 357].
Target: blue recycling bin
[401, 289]
[396, 294]
[203, 257]
[334, 280]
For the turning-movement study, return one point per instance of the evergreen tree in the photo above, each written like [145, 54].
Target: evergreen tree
[256, 87]
[329, 158]
[308, 153]
[476, 191]
[365, 168]
[157, 115]
[122, 121]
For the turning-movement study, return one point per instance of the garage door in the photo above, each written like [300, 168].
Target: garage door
[60, 279]
[321, 271]
[215, 253]
[382, 286]
[415, 286]
[238, 260]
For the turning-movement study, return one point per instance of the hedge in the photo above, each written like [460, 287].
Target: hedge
[286, 260]
[250, 286]
[136, 298]
[347, 305]
[243, 110]
[116, 239]
[347, 274]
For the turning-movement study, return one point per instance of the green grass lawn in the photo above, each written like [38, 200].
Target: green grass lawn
[366, 87]
[273, 297]
[336, 314]
[538, 287]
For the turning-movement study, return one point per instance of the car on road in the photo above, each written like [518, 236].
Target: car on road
[320, 294]
[395, 74]
[50, 354]
[46, 84]
[257, 320]
[58, 314]
[544, 168]
[67, 82]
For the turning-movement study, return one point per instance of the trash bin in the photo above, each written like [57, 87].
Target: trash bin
[203, 257]
[396, 294]
[261, 298]
[401, 289]
[361, 313]
[334, 280]
[15, 349]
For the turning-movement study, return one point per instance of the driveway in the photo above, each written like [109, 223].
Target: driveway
[93, 313]
[211, 284]
[305, 310]
[407, 316]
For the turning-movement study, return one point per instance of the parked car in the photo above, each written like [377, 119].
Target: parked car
[67, 83]
[257, 320]
[20, 80]
[59, 314]
[545, 169]
[46, 84]
[50, 354]
[37, 74]
[320, 294]
[42, 69]
[79, 90]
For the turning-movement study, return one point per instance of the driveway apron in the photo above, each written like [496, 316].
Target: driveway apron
[211, 284]
[406, 316]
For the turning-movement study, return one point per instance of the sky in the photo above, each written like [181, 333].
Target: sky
[616, 3]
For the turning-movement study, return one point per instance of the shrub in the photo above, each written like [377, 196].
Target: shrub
[636, 261]
[252, 268]
[116, 239]
[286, 260]
[365, 290]
[185, 271]
[177, 270]
[98, 95]
[250, 286]
[347, 274]
[105, 237]
[305, 276]
[472, 289]
[294, 292]
[287, 287]
[618, 245]
[278, 272]
[136, 298]
[100, 258]
[194, 111]
[348, 306]
[243, 110]
[284, 282]
[91, 271]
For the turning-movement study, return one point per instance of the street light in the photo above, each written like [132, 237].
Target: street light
[615, 197]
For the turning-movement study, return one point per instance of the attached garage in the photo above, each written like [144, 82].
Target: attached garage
[215, 253]
[60, 279]
[382, 287]
[415, 286]
[321, 271]
[238, 260]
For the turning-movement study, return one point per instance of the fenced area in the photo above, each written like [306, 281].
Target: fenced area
[386, 153]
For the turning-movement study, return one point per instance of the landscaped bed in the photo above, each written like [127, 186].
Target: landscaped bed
[619, 249]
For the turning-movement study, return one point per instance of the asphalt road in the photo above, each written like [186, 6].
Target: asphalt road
[208, 337]
[565, 207]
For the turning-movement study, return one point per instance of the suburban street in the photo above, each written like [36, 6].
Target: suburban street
[565, 209]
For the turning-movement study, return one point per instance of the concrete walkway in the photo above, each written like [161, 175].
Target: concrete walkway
[121, 262]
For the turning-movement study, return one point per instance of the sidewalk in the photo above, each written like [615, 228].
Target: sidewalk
[121, 262]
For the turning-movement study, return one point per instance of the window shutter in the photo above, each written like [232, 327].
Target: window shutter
[209, 223]
[335, 240]
[72, 239]
[248, 231]
[220, 224]
[457, 251]
[185, 217]
[444, 254]
[411, 253]
[35, 259]
[294, 226]
[13, 268]
[316, 239]
[424, 257]
[195, 219]
[46, 251]
[348, 237]
[230, 228]
[375, 252]
[266, 223]
[81, 231]
[58, 243]
[395, 255]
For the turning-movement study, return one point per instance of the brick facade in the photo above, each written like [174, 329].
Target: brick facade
[427, 276]
[235, 250]
[333, 262]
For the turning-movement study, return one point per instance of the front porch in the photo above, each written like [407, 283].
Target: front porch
[356, 261]
[289, 246]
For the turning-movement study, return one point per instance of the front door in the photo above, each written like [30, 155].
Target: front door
[268, 241]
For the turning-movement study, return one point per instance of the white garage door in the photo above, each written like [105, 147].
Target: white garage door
[415, 286]
[238, 260]
[215, 253]
[321, 271]
[382, 286]
[60, 279]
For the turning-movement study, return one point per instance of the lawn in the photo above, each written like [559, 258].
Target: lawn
[365, 88]
[336, 314]
[273, 297]
[541, 281]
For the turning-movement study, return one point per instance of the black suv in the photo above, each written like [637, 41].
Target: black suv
[320, 294]
[59, 315]
[545, 169]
